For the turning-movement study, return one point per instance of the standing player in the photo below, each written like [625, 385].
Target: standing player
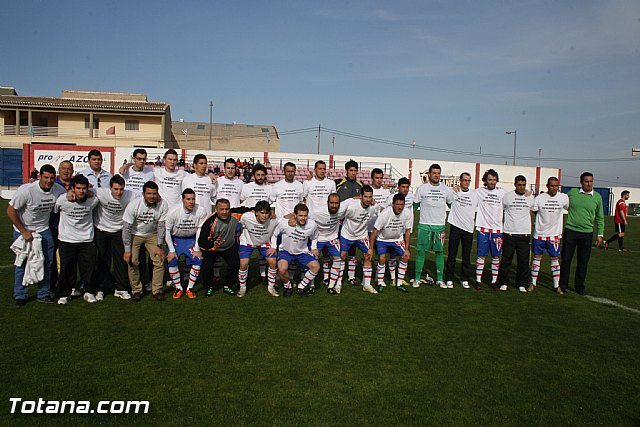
[298, 235]
[30, 210]
[287, 193]
[108, 238]
[328, 222]
[75, 232]
[348, 188]
[516, 234]
[317, 189]
[433, 198]
[461, 220]
[547, 234]
[403, 188]
[169, 179]
[392, 235]
[230, 186]
[354, 233]
[201, 183]
[489, 217]
[257, 230]
[143, 224]
[98, 177]
[620, 222]
[258, 189]
[182, 223]
[136, 174]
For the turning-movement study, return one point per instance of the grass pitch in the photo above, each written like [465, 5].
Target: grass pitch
[433, 356]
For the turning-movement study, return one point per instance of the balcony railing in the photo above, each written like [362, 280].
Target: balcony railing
[62, 132]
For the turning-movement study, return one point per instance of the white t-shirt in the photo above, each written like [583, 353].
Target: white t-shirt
[252, 193]
[329, 224]
[549, 214]
[135, 180]
[295, 240]
[489, 212]
[255, 233]
[316, 193]
[76, 219]
[169, 185]
[286, 195]
[144, 218]
[34, 205]
[205, 190]
[108, 214]
[391, 227]
[356, 221]
[229, 189]
[182, 223]
[408, 204]
[463, 210]
[380, 196]
[517, 213]
[433, 201]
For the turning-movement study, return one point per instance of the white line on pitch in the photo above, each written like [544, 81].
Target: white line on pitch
[612, 303]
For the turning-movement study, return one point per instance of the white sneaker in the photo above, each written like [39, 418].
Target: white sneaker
[89, 297]
[415, 283]
[75, 293]
[465, 284]
[148, 287]
[338, 288]
[441, 284]
[122, 294]
[449, 284]
[503, 287]
[99, 296]
[522, 289]
[242, 291]
[272, 291]
[369, 288]
[63, 300]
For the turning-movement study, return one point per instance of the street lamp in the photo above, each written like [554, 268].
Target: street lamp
[514, 132]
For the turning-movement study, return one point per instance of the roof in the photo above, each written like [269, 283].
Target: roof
[83, 104]
[224, 130]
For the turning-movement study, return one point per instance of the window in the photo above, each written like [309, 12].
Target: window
[131, 125]
[96, 123]
[265, 129]
[200, 126]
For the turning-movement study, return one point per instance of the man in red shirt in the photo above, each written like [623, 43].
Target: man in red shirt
[620, 222]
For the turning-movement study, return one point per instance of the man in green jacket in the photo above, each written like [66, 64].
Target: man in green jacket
[585, 207]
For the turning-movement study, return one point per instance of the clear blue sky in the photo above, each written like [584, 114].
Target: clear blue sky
[447, 74]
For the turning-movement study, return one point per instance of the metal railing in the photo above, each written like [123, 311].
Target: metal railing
[66, 132]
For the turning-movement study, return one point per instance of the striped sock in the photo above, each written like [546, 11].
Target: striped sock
[262, 263]
[174, 273]
[366, 273]
[495, 267]
[535, 270]
[336, 272]
[380, 274]
[392, 268]
[242, 277]
[326, 269]
[402, 270]
[479, 269]
[351, 267]
[307, 280]
[555, 272]
[288, 285]
[271, 276]
[193, 276]
[292, 270]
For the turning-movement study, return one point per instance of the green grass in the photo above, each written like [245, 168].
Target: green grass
[455, 357]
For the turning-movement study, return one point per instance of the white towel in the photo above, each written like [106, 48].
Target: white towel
[31, 256]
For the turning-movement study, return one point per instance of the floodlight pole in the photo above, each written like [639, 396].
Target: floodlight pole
[514, 132]
[210, 122]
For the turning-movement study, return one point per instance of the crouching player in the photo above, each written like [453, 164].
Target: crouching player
[257, 230]
[298, 235]
[391, 235]
[182, 223]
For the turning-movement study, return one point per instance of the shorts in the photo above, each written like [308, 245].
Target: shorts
[549, 247]
[489, 243]
[184, 246]
[331, 247]
[246, 251]
[620, 227]
[430, 237]
[391, 248]
[304, 258]
[362, 244]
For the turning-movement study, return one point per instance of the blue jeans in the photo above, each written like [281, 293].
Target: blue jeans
[22, 292]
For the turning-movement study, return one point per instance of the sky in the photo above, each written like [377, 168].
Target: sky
[453, 76]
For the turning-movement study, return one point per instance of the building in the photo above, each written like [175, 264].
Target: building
[225, 136]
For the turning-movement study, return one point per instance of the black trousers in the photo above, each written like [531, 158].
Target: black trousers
[572, 240]
[519, 245]
[230, 256]
[53, 284]
[110, 252]
[456, 236]
[74, 256]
